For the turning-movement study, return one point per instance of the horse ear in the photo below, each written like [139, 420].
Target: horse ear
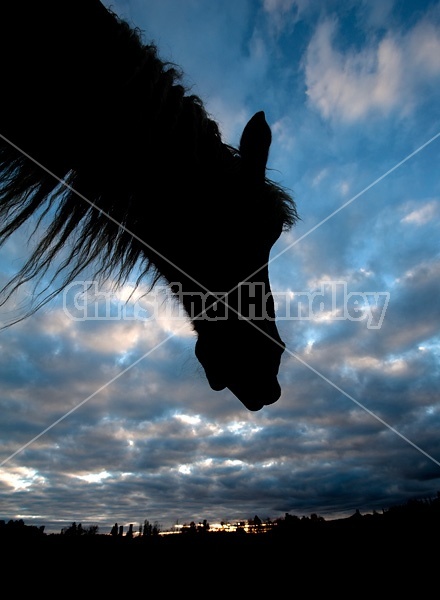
[254, 145]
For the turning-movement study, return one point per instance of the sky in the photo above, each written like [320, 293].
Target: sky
[113, 420]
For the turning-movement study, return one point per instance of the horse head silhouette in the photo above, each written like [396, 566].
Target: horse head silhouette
[243, 351]
[99, 133]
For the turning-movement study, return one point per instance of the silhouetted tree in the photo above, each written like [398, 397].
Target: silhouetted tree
[316, 518]
[148, 528]
[203, 527]
[191, 529]
[257, 523]
[78, 530]
[19, 529]
[71, 530]
[156, 529]
[92, 530]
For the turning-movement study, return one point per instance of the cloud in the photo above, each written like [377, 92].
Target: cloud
[389, 75]
[376, 13]
[284, 14]
[278, 10]
[421, 215]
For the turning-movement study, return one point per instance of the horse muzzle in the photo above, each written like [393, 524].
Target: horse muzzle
[255, 385]
[256, 396]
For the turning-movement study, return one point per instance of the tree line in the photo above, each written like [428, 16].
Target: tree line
[413, 512]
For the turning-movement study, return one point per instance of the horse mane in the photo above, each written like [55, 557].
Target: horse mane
[126, 119]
